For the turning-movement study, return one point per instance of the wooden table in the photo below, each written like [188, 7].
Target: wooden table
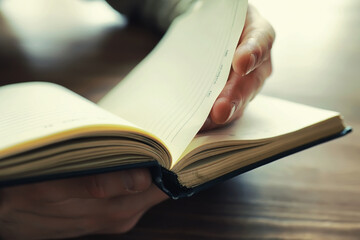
[314, 194]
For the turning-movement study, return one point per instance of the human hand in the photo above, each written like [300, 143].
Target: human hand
[250, 67]
[98, 204]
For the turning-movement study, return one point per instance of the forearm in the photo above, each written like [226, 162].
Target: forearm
[154, 13]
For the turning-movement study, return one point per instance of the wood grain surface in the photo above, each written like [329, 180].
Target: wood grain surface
[314, 194]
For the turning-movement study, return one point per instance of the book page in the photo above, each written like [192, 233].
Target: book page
[265, 117]
[35, 114]
[171, 92]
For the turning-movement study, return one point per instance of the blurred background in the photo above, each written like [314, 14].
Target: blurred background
[88, 47]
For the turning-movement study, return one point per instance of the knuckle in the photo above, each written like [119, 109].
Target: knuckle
[261, 42]
[267, 30]
[95, 188]
[142, 179]
[271, 33]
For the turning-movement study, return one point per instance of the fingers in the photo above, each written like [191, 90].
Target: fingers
[120, 207]
[238, 91]
[255, 43]
[80, 216]
[125, 207]
[99, 186]
[250, 67]
[144, 201]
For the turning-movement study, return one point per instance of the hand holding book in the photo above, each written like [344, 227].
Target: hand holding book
[250, 68]
[109, 203]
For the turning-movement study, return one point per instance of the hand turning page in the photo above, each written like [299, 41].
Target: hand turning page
[170, 93]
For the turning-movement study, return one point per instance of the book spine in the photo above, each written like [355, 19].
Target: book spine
[168, 182]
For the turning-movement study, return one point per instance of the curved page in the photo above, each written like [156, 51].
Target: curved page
[37, 114]
[171, 92]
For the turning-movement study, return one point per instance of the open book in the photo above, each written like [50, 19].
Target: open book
[151, 119]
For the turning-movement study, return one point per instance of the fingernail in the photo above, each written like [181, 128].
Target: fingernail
[231, 112]
[128, 182]
[251, 64]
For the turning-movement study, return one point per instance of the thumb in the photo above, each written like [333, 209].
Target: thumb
[98, 186]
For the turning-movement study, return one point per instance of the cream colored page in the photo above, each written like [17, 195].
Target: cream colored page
[31, 111]
[265, 117]
[171, 92]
